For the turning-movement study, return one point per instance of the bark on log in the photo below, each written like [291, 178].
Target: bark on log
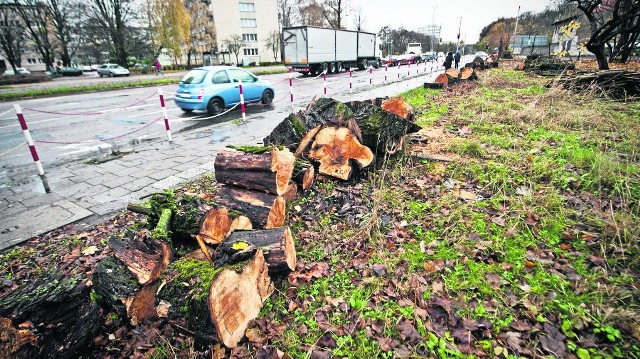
[264, 210]
[51, 317]
[433, 86]
[288, 133]
[115, 285]
[334, 148]
[277, 245]
[468, 73]
[218, 223]
[382, 131]
[228, 297]
[270, 171]
[145, 257]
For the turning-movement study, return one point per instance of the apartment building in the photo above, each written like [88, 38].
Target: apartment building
[253, 20]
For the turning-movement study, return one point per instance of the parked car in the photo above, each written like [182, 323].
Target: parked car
[86, 68]
[94, 67]
[214, 88]
[483, 55]
[67, 71]
[21, 71]
[112, 70]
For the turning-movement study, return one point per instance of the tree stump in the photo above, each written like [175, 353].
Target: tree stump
[264, 210]
[270, 171]
[400, 107]
[468, 73]
[51, 317]
[145, 257]
[442, 79]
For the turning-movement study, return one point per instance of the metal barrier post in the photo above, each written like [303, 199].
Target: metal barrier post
[398, 70]
[164, 114]
[244, 116]
[370, 75]
[291, 91]
[32, 147]
[386, 67]
[350, 81]
[324, 76]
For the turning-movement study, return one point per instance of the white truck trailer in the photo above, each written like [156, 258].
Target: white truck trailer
[313, 50]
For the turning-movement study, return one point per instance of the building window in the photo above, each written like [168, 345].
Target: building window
[247, 6]
[250, 37]
[248, 23]
[31, 61]
[251, 52]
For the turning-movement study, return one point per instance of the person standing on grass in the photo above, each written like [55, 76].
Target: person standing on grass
[158, 67]
[456, 58]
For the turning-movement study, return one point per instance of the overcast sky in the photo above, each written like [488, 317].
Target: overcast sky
[412, 14]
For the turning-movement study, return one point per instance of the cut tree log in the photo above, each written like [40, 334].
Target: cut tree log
[291, 193]
[115, 284]
[228, 297]
[382, 131]
[433, 86]
[306, 142]
[468, 73]
[264, 210]
[304, 174]
[333, 148]
[219, 222]
[400, 107]
[270, 171]
[277, 245]
[442, 79]
[53, 316]
[452, 73]
[145, 257]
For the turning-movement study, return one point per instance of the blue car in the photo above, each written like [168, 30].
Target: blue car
[214, 88]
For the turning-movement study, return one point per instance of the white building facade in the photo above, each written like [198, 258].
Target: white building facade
[253, 20]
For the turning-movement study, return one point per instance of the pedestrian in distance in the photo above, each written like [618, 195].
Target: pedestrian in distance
[448, 61]
[158, 67]
[456, 58]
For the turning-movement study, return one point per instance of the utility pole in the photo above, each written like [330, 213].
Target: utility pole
[458, 43]
[433, 26]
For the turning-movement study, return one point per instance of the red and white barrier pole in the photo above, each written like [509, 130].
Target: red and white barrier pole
[164, 114]
[32, 147]
[409, 69]
[386, 67]
[291, 90]
[398, 70]
[350, 81]
[244, 116]
[370, 75]
[324, 77]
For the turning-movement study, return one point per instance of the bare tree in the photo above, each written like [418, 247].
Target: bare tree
[12, 36]
[312, 14]
[607, 20]
[112, 17]
[35, 17]
[288, 12]
[359, 19]
[59, 12]
[234, 44]
[334, 11]
[273, 42]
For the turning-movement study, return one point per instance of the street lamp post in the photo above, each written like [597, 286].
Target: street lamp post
[433, 26]
[459, 27]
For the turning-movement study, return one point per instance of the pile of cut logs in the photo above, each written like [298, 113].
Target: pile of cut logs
[214, 292]
[616, 84]
[452, 76]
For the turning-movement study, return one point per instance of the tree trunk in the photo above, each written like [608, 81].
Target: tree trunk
[51, 317]
[146, 258]
[468, 73]
[601, 56]
[291, 193]
[335, 148]
[264, 210]
[270, 171]
[400, 107]
[277, 245]
[442, 79]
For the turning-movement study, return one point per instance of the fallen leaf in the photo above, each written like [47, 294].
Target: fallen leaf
[449, 183]
[552, 341]
[89, 251]
[498, 220]
[316, 270]
[464, 131]
[434, 266]
[408, 332]
[254, 335]
[523, 191]
[467, 195]
[379, 269]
